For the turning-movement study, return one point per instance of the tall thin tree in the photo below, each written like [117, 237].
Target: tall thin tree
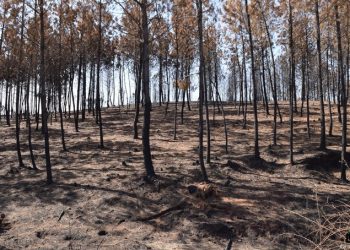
[255, 106]
[343, 95]
[319, 60]
[201, 86]
[44, 112]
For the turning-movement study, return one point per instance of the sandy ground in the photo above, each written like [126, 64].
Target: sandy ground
[99, 197]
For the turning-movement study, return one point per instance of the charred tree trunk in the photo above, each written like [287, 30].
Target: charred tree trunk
[98, 100]
[264, 82]
[30, 145]
[343, 95]
[329, 98]
[201, 86]
[160, 93]
[291, 82]
[255, 107]
[207, 119]
[319, 58]
[18, 87]
[147, 100]
[43, 94]
[78, 94]
[137, 96]
[83, 97]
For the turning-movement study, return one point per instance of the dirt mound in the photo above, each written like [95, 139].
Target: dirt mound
[217, 229]
[4, 224]
[250, 162]
[326, 161]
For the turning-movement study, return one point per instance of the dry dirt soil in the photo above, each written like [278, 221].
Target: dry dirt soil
[99, 199]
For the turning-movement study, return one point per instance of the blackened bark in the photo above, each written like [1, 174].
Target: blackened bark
[319, 58]
[201, 86]
[43, 94]
[343, 95]
[78, 94]
[291, 82]
[147, 100]
[255, 107]
[160, 93]
[98, 100]
[18, 86]
[138, 93]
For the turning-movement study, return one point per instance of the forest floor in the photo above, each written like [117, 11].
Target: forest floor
[100, 201]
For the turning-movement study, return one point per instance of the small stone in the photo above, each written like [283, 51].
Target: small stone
[99, 222]
[67, 237]
[39, 234]
[192, 189]
[102, 233]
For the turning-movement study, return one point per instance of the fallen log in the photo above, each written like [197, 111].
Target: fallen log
[181, 205]
[62, 214]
